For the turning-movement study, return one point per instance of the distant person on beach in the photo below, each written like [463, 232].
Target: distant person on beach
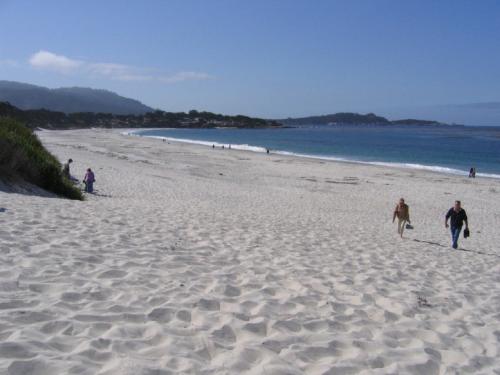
[267, 151]
[89, 180]
[457, 217]
[65, 170]
[213, 146]
[472, 172]
[402, 212]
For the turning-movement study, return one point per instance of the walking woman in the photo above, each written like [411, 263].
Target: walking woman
[89, 180]
[402, 212]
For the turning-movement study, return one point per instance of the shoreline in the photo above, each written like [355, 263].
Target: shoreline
[258, 149]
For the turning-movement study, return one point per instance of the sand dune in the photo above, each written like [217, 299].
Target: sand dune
[193, 260]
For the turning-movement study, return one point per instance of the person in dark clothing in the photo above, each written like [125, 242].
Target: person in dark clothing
[65, 170]
[457, 217]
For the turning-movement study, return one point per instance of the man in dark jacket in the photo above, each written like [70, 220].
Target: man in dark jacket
[65, 170]
[457, 217]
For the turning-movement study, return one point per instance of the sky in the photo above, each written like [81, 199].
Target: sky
[264, 58]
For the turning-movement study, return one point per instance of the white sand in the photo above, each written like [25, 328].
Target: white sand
[193, 260]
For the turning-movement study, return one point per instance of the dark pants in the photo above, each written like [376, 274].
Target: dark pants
[89, 186]
[455, 234]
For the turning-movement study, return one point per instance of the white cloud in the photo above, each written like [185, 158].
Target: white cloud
[108, 69]
[51, 61]
[58, 63]
[134, 77]
[118, 71]
[186, 76]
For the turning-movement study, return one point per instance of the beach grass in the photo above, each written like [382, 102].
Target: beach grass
[22, 155]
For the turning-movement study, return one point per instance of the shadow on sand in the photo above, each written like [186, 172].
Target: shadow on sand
[430, 243]
[459, 249]
[16, 186]
[97, 193]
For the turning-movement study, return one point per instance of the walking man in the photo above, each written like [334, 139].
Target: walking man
[457, 217]
[402, 212]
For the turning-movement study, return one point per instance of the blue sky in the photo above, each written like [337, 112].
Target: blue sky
[264, 58]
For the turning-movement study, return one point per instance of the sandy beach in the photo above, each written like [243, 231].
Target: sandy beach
[193, 260]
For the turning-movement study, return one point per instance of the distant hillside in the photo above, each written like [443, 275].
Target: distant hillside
[481, 113]
[336, 118]
[412, 121]
[348, 118]
[68, 100]
[42, 118]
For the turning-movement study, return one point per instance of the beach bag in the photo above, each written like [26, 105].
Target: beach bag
[466, 233]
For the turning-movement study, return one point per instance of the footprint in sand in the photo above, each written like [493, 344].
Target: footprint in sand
[184, 316]
[209, 305]
[225, 335]
[15, 350]
[161, 315]
[232, 291]
[112, 274]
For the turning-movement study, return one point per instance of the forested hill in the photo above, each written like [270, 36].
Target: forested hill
[347, 118]
[42, 118]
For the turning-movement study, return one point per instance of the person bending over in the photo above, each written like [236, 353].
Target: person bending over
[65, 170]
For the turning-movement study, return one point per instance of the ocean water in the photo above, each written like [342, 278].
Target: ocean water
[448, 149]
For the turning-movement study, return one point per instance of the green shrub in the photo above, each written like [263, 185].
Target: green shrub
[23, 155]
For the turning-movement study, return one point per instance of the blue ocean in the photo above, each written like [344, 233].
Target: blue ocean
[448, 149]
